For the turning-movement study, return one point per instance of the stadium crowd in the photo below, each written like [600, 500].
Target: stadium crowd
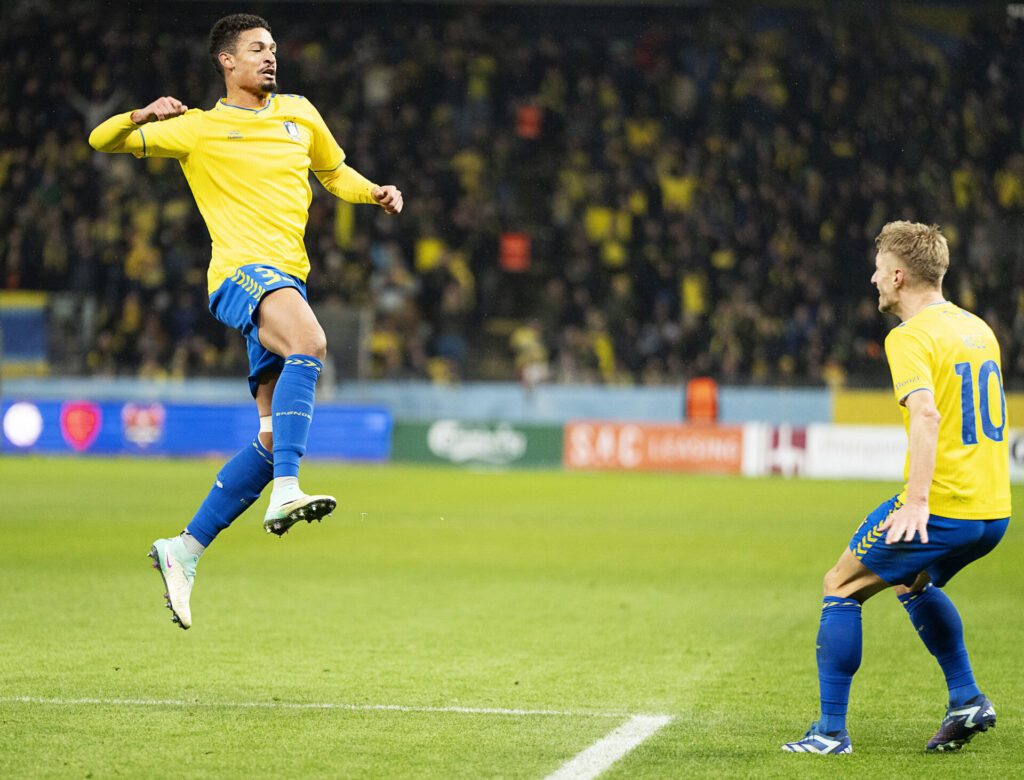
[592, 195]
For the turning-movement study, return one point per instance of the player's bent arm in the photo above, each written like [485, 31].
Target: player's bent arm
[110, 136]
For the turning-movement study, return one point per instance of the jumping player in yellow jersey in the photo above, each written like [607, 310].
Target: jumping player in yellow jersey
[956, 503]
[247, 162]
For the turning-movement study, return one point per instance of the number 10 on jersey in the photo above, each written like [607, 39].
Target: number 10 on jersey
[969, 426]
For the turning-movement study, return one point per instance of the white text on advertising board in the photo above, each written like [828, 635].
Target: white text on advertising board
[640, 446]
[448, 439]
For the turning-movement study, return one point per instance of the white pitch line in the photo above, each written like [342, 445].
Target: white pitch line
[317, 706]
[606, 751]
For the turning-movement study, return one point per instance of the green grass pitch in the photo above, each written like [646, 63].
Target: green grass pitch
[589, 596]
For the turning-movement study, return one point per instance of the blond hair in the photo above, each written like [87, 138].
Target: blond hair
[922, 247]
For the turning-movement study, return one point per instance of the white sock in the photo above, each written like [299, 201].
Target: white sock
[285, 489]
[192, 545]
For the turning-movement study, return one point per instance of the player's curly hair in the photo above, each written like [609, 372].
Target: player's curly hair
[922, 247]
[224, 34]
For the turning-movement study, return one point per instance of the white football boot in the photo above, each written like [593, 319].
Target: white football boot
[309, 508]
[177, 569]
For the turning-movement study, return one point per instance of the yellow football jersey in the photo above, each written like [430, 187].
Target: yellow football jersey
[249, 173]
[954, 354]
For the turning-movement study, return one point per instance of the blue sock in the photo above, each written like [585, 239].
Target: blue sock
[292, 410]
[839, 652]
[940, 628]
[238, 485]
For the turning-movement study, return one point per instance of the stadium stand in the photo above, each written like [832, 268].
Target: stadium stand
[606, 195]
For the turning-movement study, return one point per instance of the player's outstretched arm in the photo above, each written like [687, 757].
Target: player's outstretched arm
[350, 185]
[110, 136]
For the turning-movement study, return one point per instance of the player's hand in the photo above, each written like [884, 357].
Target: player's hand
[158, 110]
[905, 523]
[389, 197]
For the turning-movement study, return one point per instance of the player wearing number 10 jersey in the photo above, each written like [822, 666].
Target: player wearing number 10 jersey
[954, 507]
[953, 354]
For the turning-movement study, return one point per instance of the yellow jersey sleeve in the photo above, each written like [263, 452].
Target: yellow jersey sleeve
[327, 161]
[347, 184]
[324, 152]
[908, 362]
[111, 134]
[175, 137]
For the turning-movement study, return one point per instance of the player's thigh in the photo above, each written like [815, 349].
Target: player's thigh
[288, 326]
[851, 579]
[237, 302]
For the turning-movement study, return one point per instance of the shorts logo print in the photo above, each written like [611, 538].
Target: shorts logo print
[247, 283]
[874, 534]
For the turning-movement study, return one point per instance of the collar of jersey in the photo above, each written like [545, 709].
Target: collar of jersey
[929, 306]
[239, 111]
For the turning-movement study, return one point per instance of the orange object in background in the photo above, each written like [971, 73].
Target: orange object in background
[702, 400]
[528, 122]
[514, 252]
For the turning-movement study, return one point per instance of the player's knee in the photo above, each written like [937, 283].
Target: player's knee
[826, 583]
[314, 343]
[320, 348]
[833, 582]
[856, 583]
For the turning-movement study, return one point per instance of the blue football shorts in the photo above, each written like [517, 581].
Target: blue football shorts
[952, 544]
[235, 302]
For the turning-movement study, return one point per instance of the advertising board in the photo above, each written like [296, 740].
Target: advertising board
[620, 446]
[495, 444]
[154, 428]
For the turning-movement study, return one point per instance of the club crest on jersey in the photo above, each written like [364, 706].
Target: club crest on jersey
[293, 130]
